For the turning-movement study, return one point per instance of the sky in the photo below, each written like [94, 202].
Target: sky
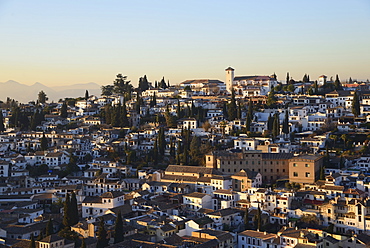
[68, 42]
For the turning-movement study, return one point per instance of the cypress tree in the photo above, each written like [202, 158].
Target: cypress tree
[178, 110]
[86, 95]
[286, 123]
[246, 219]
[40, 237]
[49, 228]
[249, 116]
[74, 209]
[2, 127]
[143, 83]
[116, 115]
[33, 242]
[66, 212]
[322, 172]
[231, 110]
[276, 126]
[224, 110]
[259, 219]
[44, 143]
[155, 152]
[305, 78]
[118, 229]
[102, 235]
[194, 150]
[270, 122]
[337, 84]
[83, 243]
[63, 110]
[356, 105]
[287, 78]
[172, 148]
[108, 114]
[163, 84]
[161, 141]
[316, 87]
[153, 102]
[179, 151]
[239, 113]
[124, 119]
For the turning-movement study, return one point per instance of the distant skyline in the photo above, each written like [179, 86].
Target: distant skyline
[72, 42]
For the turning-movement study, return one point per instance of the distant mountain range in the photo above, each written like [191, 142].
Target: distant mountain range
[25, 93]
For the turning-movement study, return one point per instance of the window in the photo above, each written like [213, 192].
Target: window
[294, 165]
[308, 174]
[307, 165]
[295, 174]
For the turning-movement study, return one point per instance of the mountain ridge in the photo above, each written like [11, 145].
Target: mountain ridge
[25, 93]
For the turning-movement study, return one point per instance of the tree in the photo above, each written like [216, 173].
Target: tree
[143, 83]
[291, 87]
[310, 91]
[122, 86]
[155, 152]
[42, 97]
[49, 228]
[334, 138]
[63, 110]
[258, 220]
[249, 116]
[118, 229]
[322, 172]
[287, 78]
[309, 219]
[2, 127]
[86, 95]
[33, 242]
[350, 80]
[41, 236]
[356, 105]
[74, 209]
[206, 126]
[83, 243]
[270, 122]
[231, 109]
[286, 123]
[107, 90]
[341, 162]
[67, 212]
[344, 137]
[102, 235]
[271, 99]
[246, 219]
[170, 119]
[195, 150]
[124, 122]
[316, 87]
[163, 84]
[276, 126]
[161, 141]
[305, 78]
[337, 84]
[293, 186]
[44, 143]
[153, 101]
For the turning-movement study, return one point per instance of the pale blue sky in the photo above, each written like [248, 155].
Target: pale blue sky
[66, 42]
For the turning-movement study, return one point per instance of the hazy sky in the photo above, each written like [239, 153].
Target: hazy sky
[67, 42]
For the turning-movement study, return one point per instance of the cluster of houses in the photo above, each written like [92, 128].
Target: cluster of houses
[252, 191]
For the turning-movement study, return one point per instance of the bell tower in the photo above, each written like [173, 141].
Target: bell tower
[229, 78]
